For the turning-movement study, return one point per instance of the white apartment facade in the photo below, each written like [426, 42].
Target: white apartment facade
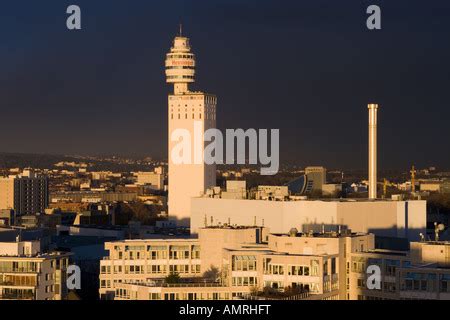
[28, 274]
[247, 259]
[326, 266]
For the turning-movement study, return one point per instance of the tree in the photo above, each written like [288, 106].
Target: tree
[213, 274]
[172, 278]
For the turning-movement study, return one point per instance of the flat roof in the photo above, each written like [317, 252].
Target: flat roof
[321, 235]
[340, 200]
[39, 255]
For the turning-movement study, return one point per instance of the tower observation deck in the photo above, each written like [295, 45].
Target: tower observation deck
[180, 65]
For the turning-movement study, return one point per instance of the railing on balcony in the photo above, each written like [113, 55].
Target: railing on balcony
[299, 296]
[17, 283]
[198, 284]
[17, 296]
[18, 270]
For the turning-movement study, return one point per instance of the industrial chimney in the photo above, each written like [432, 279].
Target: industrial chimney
[373, 108]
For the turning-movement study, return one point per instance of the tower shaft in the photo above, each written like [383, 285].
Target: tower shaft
[373, 109]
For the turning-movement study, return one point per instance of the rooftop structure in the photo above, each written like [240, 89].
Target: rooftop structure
[404, 219]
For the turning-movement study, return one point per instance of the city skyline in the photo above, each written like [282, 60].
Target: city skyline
[104, 88]
[227, 155]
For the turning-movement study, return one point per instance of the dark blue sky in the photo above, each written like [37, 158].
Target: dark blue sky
[308, 68]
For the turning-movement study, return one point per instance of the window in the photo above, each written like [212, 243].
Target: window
[361, 283]
[325, 267]
[244, 281]
[358, 265]
[391, 267]
[277, 269]
[244, 263]
[314, 268]
[299, 270]
[195, 253]
[154, 296]
[445, 286]
[195, 268]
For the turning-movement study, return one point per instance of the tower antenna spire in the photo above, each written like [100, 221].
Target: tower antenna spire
[181, 29]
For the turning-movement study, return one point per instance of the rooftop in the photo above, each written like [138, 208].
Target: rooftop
[38, 256]
[436, 243]
[305, 199]
[232, 227]
[333, 234]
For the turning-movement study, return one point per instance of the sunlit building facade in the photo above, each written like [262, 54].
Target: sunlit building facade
[194, 113]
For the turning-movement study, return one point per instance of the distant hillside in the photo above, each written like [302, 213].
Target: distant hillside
[23, 160]
[47, 161]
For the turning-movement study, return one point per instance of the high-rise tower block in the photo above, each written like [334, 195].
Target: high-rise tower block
[192, 111]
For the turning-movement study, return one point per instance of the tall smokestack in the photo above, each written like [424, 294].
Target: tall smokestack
[373, 108]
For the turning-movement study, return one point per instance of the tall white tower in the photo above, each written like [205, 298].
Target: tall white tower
[187, 110]
[373, 109]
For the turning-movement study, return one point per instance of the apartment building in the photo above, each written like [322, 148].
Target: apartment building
[228, 262]
[28, 274]
[140, 261]
[423, 273]
[25, 194]
[154, 178]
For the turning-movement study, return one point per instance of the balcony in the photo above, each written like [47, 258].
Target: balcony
[17, 296]
[18, 270]
[16, 284]
[183, 284]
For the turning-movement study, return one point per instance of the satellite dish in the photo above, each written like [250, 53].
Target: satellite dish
[293, 232]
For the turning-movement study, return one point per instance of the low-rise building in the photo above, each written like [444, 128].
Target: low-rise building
[26, 273]
[154, 178]
[421, 274]
[383, 217]
[228, 262]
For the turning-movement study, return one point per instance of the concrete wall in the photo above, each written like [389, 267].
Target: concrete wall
[6, 193]
[386, 218]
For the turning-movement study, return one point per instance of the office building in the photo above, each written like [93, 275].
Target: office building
[318, 176]
[403, 219]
